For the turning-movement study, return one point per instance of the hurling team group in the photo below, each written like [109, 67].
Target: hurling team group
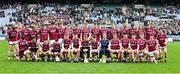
[58, 42]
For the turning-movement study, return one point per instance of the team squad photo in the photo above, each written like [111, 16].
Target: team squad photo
[101, 36]
[56, 42]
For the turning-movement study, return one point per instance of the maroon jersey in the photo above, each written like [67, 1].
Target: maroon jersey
[43, 35]
[76, 43]
[133, 44]
[33, 34]
[156, 32]
[121, 33]
[109, 34]
[142, 44]
[85, 43]
[139, 32]
[125, 43]
[70, 33]
[151, 45]
[33, 45]
[85, 31]
[19, 30]
[61, 32]
[22, 44]
[45, 47]
[115, 44]
[94, 44]
[161, 39]
[38, 30]
[67, 43]
[78, 31]
[96, 33]
[12, 35]
[53, 33]
[148, 32]
[132, 31]
[103, 30]
[26, 35]
[113, 31]
[56, 46]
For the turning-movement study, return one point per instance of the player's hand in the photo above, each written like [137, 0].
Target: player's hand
[165, 42]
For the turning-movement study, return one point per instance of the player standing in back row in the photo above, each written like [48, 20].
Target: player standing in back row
[12, 39]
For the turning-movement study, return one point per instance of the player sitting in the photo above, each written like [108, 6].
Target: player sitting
[115, 47]
[94, 46]
[66, 46]
[55, 50]
[152, 49]
[75, 48]
[133, 48]
[44, 51]
[162, 44]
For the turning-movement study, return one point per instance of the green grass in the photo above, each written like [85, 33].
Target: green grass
[173, 65]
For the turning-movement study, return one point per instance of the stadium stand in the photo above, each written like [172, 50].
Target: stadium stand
[166, 17]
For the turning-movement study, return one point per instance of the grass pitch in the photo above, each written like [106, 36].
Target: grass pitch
[173, 65]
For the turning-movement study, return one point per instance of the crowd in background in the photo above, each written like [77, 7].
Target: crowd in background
[38, 14]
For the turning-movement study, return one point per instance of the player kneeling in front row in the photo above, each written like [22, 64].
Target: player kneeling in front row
[125, 52]
[94, 46]
[104, 44]
[162, 40]
[55, 51]
[142, 48]
[22, 47]
[115, 48]
[66, 46]
[133, 49]
[152, 49]
[44, 51]
[85, 49]
[75, 48]
[31, 53]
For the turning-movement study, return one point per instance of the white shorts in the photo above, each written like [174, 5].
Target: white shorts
[92, 51]
[52, 41]
[62, 50]
[146, 51]
[135, 50]
[163, 48]
[114, 51]
[60, 40]
[152, 53]
[38, 41]
[141, 54]
[74, 49]
[13, 42]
